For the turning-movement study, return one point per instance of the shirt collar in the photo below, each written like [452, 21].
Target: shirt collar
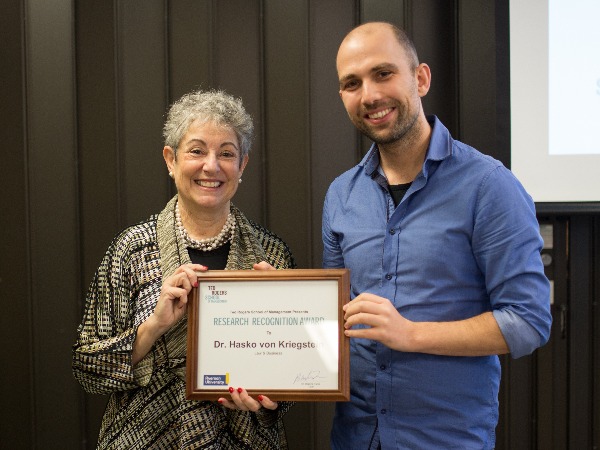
[440, 147]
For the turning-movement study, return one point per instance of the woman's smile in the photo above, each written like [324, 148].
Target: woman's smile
[208, 184]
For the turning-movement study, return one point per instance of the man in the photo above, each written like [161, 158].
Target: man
[443, 246]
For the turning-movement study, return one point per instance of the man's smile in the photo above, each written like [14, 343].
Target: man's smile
[379, 114]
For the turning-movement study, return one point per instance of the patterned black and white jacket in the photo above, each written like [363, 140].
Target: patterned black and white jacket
[147, 407]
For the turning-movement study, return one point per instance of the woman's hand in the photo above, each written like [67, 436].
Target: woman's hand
[170, 308]
[240, 400]
[172, 303]
[263, 265]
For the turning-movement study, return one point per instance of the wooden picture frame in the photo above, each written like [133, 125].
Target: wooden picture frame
[278, 333]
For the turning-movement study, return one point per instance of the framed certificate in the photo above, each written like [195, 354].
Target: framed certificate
[273, 332]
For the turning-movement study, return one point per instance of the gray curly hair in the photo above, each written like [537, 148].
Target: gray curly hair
[212, 106]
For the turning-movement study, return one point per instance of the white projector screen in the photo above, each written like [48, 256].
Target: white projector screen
[555, 98]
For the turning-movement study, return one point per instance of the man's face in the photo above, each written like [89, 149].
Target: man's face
[378, 86]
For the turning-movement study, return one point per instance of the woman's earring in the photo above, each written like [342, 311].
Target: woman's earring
[171, 174]
[240, 180]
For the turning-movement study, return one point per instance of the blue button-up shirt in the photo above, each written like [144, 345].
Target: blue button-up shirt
[464, 240]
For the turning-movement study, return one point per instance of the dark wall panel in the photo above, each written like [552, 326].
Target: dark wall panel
[242, 40]
[552, 391]
[16, 376]
[333, 145]
[393, 11]
[581, 347]
[53, 232]
[438, 50]
[190, 64]
[476, 94]
[97, 149]
[287, 124]
[142, 98]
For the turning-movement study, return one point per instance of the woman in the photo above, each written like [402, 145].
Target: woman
[132, 340]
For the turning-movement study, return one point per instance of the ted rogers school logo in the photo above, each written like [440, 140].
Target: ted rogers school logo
[215, 296]
[216, 380]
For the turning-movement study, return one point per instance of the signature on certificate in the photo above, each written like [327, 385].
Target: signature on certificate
[308, 376]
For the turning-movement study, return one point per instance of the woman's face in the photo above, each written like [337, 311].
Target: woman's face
[207, 169]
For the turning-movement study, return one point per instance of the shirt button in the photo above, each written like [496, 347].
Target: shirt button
[382, 367]
[388, 277]
[392, 231]
[383, 411]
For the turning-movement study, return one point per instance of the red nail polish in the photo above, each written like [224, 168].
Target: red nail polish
[260, 398]
[196, 284]
[220, 400]
[240, 390]
[231, 390]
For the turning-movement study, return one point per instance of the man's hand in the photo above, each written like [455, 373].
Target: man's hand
[385, 323]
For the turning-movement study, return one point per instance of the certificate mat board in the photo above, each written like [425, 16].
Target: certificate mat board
[275, 332]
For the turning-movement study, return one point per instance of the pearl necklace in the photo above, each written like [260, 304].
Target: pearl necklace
[206, 245]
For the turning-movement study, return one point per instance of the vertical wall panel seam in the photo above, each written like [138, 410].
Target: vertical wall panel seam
[308, 134]
[358, 19]
[77, 181]
[595, 273]
[77, 205]
[263, 113]
[167, 51]
[309, 197]
[502, 71]
[119, 138]
[457, 68]
[407, 17]
[29, 275]
[533, 400]
[167, 75]
[75, 138]
[211, 41]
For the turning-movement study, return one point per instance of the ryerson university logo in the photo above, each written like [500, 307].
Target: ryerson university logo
[216, 380]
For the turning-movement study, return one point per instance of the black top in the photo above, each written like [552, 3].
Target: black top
[215, 259]
[397, 191]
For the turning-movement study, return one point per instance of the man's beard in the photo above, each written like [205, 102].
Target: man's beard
[404, 125]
